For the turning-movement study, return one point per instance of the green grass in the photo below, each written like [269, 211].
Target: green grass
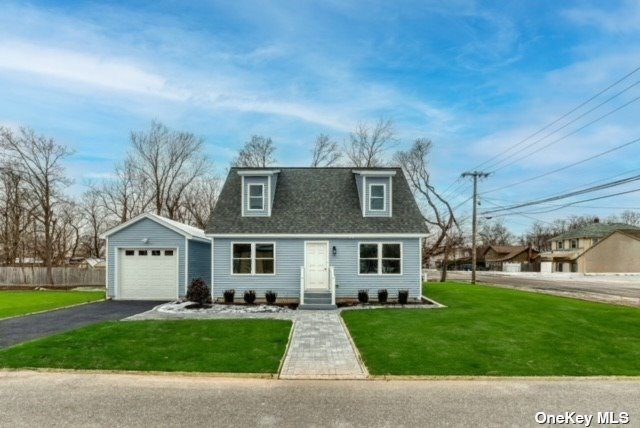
[14, 303]
[499, 332]
[241, 346]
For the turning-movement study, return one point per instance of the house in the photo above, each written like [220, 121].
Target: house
[459, 258]
[154, 258]
[316, 235]
[569, 250]
[618, 252]
[497, 257]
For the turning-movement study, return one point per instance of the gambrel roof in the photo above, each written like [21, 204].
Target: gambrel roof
[316, 201]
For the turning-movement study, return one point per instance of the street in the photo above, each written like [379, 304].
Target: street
[610, 289]
[75, 399]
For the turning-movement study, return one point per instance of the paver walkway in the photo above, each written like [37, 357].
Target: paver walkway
[320, 348]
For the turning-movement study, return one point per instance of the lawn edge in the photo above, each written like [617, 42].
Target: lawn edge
[499, 378]
[142, 372]
[53, 309]
[286, 349]
[363, 366]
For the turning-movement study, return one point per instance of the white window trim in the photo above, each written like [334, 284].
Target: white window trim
[384, 197]
[380, 273]
[253, 259]
[249, 186]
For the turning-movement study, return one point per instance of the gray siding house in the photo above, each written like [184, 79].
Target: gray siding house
[154, 258]
[316, 235]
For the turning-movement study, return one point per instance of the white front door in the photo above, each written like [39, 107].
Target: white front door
[316, 266]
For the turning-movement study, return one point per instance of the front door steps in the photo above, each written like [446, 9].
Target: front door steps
[317, 300]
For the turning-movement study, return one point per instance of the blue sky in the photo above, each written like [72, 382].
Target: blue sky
[475, 77]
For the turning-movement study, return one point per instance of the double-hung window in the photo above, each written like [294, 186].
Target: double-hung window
[377, 200]
[250, 258]
[256, 197]
[380, 258]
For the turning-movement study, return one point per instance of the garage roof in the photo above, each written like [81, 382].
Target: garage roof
[181, 228]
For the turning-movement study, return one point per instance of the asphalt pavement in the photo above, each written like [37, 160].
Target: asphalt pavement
[74, 399]
[30, 327]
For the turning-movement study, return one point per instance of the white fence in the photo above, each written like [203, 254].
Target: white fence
[62, 276]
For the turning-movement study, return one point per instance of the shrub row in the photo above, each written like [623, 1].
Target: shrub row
[383, 295]
[250, 296]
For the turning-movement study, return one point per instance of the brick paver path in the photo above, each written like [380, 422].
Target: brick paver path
[320, 348]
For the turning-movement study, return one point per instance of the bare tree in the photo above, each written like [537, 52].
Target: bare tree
[199, 201]
[169, 161]
[494, 233]
[38, 160]
[15, 210]
[366, 146]
[95, 219]
[256, 153]
[126, 195]
[325, 152]
[630, 217]
[437, 210]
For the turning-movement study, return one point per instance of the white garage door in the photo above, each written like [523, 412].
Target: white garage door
[148, 274]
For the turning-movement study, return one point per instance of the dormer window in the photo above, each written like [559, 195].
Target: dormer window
[256, 197]
[377, 200]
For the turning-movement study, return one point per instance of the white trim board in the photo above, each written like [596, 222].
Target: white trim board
[161, 221]
[380, 273]
[316, 235]
[116, 276]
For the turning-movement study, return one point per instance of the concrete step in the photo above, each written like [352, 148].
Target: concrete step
[318, 300]
[317, 307]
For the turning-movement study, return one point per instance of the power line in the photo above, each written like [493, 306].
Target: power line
[578, 107]
[606, 152]
[568, 195]
[573, 203]
[567, 124]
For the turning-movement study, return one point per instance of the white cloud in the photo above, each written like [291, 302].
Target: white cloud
[625, 19]
[84, 68]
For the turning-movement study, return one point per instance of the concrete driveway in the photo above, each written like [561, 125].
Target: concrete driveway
[22, 329]
[75, 399]
[624, 290]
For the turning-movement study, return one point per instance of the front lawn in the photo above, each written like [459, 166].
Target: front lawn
[498, 332]
[242, 346]
[14, 303]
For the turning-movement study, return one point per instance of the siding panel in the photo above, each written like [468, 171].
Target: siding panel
[131, 237]
[199, 261]
[290, 257]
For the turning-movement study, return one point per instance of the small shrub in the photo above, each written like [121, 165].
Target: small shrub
[228, 295]
[363, 296]
[249, 297]
[199, 292]
[383, 295]
[403, 297]
[271, 297]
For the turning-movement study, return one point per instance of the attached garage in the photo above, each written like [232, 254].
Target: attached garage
[154, 258]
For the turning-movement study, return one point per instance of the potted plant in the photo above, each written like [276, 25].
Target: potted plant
[249, 297]
[228, 295]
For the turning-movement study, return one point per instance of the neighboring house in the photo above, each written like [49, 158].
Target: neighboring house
[316, 234]
[93, 263]
[569, 249]
[459, 258]
[619, 252]
[497, 256]
[154, 258]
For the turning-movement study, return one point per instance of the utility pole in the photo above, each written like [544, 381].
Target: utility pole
[474, 226]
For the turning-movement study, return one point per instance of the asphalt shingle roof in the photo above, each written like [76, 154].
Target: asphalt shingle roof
[315, 200]
[594, 230]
